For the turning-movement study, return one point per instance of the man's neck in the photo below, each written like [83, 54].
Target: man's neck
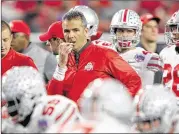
[25, 48]
[149, 46]
[78, 50]
[126, 50]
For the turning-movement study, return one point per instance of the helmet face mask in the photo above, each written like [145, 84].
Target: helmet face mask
[22, 87]
[149, 126]
[131, 21]
[13, 107]
[125, 41]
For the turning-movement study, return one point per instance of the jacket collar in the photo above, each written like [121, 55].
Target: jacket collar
[9, 55]
[84, 47]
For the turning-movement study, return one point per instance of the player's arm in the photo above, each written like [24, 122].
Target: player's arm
[122, 71]
[153, 61]
[55, 86]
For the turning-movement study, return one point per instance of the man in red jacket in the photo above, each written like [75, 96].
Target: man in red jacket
[81, 62]
[9, 57]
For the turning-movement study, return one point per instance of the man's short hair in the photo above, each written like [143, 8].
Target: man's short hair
[75, 15]
[5, 25]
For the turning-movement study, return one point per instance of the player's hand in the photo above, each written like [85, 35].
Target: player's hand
[64, 49]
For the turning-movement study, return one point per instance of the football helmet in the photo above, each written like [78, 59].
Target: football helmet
[128, 19]
[106, 97]
[91, 17]
[22, 87]
[3, 99]
[157, 108]
[172, 30]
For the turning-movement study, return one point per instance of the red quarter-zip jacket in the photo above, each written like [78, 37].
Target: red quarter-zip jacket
[14, 58]
[94, 62]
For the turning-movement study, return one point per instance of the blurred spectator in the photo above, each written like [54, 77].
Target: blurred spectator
[9, 12]
[106, 9]
[148, 40]
[50, 12]
[150, 32]
[164, 12]
[40, 14]
[148, 6]
[98, 7]
[9, 57]
[21, 43]
[25, 6]
[53, 37]
[163, 9]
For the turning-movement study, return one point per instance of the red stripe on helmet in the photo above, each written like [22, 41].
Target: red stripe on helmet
[125, 15]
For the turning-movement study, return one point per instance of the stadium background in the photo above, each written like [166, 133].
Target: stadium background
[40, 14]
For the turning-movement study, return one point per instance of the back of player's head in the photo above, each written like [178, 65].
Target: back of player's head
[22, 87]
[106, 97]
[157, 104]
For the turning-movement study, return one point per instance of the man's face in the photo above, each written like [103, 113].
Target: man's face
[54, 43]
[19, 41]
[75, 32]
[148, 126]
[150, 31]
[175, 32]
[125, 32]
[125, 37]
[6, 42]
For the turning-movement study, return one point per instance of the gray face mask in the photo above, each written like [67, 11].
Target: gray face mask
[13, 107]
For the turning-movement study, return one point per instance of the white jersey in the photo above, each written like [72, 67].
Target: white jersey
[171, 68]
[8, 126]
[103, 43]
[51, 110]
[107, 125]
[143, 62]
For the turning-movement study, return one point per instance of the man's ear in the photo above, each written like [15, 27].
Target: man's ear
[11, 37]
[86, 32]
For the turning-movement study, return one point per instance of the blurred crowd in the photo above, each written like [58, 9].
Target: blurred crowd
[40, 14]
[78, 81]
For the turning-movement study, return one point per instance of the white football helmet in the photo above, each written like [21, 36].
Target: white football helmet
[156, 105]
[3, 99]
[91, 17]
[125, 18]
[106, 97]
[171, 29]
[22, 87]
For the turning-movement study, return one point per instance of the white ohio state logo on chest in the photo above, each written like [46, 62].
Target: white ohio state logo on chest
[89, 66]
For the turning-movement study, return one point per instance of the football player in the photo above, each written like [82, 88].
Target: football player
[157, 110]
[106, 107]
[30, 107]
[125, 30]
[92, 25]
[170, 54]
